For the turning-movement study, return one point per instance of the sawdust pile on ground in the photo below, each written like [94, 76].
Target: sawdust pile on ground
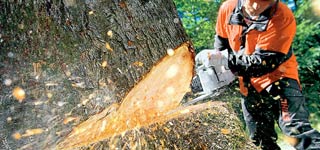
[213, 128]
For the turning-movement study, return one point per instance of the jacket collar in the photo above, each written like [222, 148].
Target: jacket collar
[237, 17]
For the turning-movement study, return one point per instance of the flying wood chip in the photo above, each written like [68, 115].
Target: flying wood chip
[19, 94]
[158, 93]
[138, 63]
[108, 47]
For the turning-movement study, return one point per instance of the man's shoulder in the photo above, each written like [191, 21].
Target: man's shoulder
[283, 16]
[228, 5]
[283, 11]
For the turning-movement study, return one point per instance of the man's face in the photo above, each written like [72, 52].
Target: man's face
[256, 7]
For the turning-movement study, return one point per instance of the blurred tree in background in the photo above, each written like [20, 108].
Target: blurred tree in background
[306, 46]
[199, 17]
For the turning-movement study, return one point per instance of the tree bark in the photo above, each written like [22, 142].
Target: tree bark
[129, 35]
[74, 58]
[71, 59]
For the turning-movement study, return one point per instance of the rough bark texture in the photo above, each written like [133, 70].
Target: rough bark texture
[129, 35]
[73, 58]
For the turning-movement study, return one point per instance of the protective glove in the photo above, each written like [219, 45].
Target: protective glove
[257, 64]
[234, 62]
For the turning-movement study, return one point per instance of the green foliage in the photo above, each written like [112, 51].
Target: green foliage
[308, 33]
[198, 18]
[306, 46]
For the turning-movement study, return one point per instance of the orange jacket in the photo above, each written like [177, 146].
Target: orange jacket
[273, 34]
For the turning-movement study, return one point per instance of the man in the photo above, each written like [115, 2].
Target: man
[258, 36]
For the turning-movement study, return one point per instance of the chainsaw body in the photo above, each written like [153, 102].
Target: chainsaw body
[212, 73]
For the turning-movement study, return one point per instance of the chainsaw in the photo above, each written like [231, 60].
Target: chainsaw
[211, 74]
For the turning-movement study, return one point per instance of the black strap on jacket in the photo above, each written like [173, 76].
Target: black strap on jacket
[261, 61]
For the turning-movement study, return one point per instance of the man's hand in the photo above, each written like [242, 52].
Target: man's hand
[257, 64]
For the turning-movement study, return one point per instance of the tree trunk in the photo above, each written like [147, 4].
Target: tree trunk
[128, 36]
[77, 57]
[62, 61]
